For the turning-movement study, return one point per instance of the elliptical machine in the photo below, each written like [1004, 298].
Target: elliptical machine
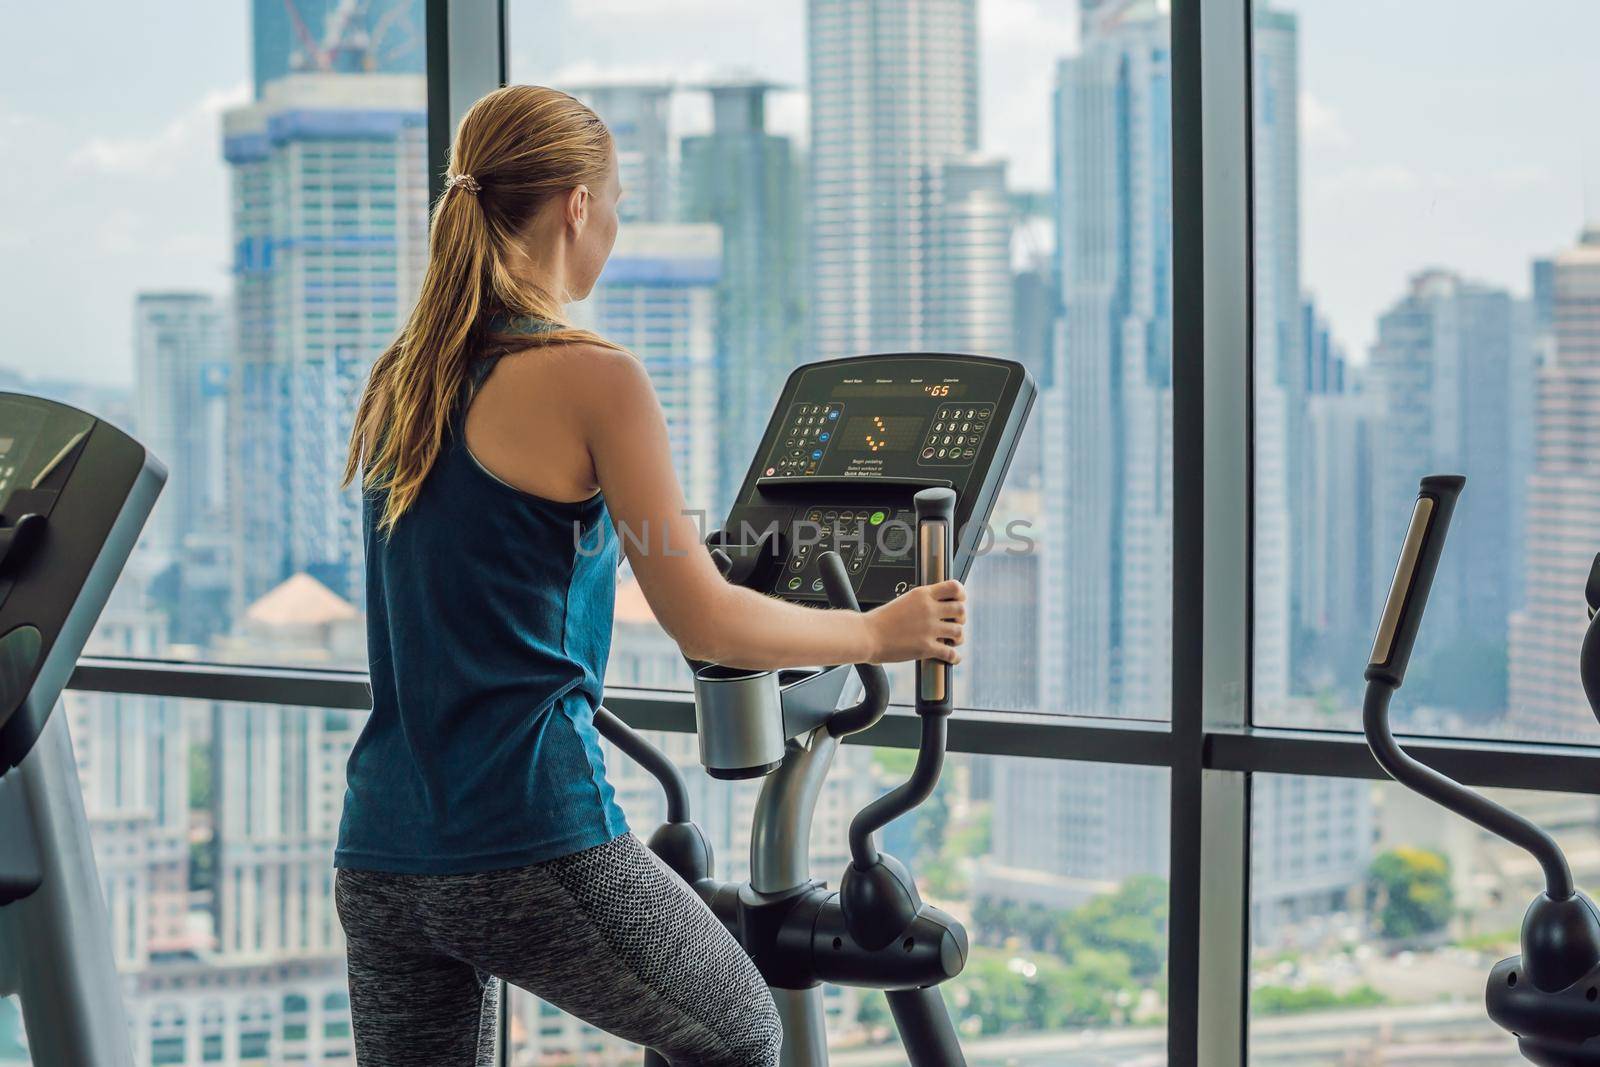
[823, 518]
[1549, 996]
[74, 495]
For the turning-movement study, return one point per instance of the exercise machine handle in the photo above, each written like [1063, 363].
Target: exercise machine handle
[936, 520]
[1386, 670]
[875, 684]
[1413, 578]
[1589, 658]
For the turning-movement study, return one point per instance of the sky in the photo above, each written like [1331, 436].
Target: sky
[1453, 133]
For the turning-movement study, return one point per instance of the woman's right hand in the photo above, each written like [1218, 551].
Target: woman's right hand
[918, 623]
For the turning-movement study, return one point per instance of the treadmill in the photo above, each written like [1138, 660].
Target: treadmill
[74, 495]
[876, 474]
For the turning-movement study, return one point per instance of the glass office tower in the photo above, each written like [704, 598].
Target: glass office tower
[894, 96]
[329, 195]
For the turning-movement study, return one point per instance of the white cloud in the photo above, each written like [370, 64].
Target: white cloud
[157, 155]
[1321, 124]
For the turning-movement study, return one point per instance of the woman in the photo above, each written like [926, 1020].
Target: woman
[497, 446]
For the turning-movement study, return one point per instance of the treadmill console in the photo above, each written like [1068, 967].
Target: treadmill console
[850, 443]
[74, 494]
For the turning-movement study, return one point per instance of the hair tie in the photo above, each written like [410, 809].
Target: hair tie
[466, 181]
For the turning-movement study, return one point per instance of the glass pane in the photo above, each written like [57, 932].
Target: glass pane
[1425, 299]
[1010, 195]
[1377, 917]
[213, 828]
[1058, 870]
[252, 210]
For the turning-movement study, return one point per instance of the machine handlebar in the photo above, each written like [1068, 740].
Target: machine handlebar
[875, 683]
[1391, 651]
[936, 517]
[1413, 578]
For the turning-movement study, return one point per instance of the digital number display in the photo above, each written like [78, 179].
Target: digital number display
[911, 389]
[880, 433]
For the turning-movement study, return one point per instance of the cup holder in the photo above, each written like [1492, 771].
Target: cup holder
[739, 719]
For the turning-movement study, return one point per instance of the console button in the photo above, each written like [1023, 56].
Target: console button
[877, 518]
[794, 583]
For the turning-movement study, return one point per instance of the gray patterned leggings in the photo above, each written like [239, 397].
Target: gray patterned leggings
[608, 934]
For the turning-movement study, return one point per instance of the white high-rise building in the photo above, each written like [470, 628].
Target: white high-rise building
[1563, 507]
[181, 374]
[330, 188]
[1107, 528]
[281, 790]
[1279, 383]
[894, 96]
[1452, 370]
[971, 285]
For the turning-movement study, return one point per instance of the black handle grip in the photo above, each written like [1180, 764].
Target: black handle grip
[836, 582]
[875, 684]
[936, 521]
[1413, 578]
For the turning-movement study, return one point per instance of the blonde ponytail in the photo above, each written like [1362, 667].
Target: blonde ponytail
[514, 149]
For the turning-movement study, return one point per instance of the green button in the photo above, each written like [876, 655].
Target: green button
[877, 518]
[794, 583]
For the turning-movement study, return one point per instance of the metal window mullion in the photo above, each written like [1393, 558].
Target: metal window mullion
[1208, 930]
[468, 56]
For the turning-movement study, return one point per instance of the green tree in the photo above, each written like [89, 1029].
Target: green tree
[1131, 923]
[1006, 992]
[1285, 1000]
[872, 1013]
[1411, 892]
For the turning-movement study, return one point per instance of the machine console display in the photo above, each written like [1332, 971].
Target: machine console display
[849, 445]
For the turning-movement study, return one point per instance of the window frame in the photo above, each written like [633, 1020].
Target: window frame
[1210, 747]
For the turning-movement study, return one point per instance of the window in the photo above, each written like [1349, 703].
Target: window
[181, 315]
[1425, 303]
[1375, 926]
[1060, 879]
[1012, 198]
[197, 914]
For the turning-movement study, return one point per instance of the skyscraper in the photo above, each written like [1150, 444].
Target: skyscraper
[1563, 509]
[1106, 513]
[745, 181]
[657, 297]
[1339, 562]
[309, 36]
[1108, 467]
[970, 296]
[1452, 370]
[181, 374]
[639, 118]
[894, 96]
[181, 343]
[329, 221]
[1279, 382]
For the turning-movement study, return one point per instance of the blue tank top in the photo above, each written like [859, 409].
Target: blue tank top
[489, 617]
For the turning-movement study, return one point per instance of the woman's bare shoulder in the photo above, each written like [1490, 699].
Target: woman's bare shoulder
[581, 373]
